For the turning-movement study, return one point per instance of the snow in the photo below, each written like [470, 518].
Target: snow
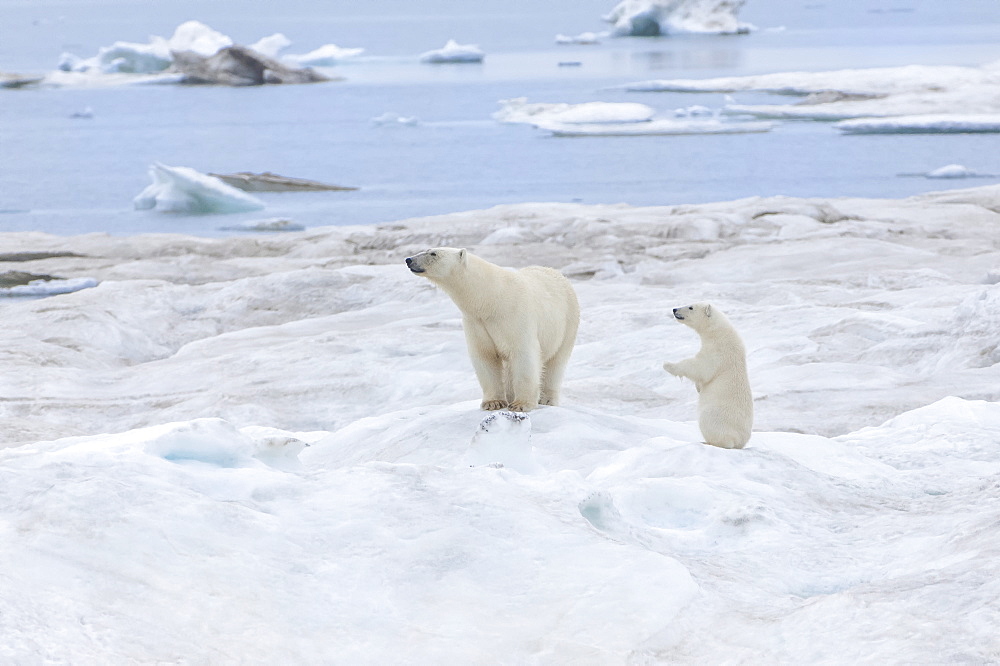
[268, 449]
[520, 110]
[923, 124]
[639, 18]
[453, 52]
[184, 190]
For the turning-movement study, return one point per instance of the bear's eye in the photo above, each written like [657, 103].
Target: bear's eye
[690, 307]
[434, 254]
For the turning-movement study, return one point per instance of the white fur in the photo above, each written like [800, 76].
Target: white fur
[520, 326]
[719, 372]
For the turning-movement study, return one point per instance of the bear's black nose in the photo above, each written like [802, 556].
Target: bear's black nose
[409, 260]
[675, 309]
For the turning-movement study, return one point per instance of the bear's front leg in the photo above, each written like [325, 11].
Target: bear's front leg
[526, 378]
[488, 365]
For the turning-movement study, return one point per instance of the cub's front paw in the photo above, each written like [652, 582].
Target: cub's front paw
[493, 405]
[518, 406]
[670, 367]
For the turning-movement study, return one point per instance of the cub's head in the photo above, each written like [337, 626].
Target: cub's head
[437, 263]
[697, 316]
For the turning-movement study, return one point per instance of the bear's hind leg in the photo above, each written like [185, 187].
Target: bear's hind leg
[552, 375]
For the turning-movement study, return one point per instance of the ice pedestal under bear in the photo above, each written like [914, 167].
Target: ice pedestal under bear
[504, 438]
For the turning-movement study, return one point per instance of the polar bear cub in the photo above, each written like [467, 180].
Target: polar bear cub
[520, 326]
[719, 372]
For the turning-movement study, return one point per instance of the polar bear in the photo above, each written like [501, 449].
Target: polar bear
[719, 372]
[520, 326]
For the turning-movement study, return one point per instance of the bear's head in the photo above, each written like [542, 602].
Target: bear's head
[697, 316]
[437, 263]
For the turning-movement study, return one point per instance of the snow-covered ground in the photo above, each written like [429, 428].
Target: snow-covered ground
[159, 502]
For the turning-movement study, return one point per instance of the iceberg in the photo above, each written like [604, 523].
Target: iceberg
[651, 18]
[953, 123]
[519, 110]
[184, 190]
[152, 57]
[453, 52]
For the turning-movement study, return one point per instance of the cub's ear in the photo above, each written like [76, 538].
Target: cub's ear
[461, 255]
[708, 310]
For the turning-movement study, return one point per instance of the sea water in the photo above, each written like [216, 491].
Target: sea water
[70, 175]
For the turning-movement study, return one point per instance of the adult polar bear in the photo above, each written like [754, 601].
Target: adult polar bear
[719, 372]
[520, 326]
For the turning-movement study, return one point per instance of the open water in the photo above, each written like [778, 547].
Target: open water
[68, 175]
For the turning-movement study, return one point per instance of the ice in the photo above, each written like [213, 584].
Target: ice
[453, 52]
[504, 439]
[184, 190]
[519, 110]
[954, 171]
[154, 56]
[49, 287]
[585, 38]
[390, 119]
[269, 449]
[325, 56]
[660, 127]
[271, 45]
[923, 124]
[957, 94]
[647, 18]
[268, 224]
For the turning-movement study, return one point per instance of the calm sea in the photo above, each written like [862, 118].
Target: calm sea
[69, 175]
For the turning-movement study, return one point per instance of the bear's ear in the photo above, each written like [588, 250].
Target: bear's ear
[708, 310]
[461, 255]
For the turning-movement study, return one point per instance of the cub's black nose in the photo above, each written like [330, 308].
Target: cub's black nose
[675, 309]
[409, 260]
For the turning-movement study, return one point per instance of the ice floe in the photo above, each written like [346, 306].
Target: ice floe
[857, 93]
[650, 18]
[953, 123]
[325, 56]
[453, 52]
[178, 189]
[584, 38]
[519, 110]
[658, 127]
[258, 448]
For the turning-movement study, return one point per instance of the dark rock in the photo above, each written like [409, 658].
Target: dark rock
[272, 182]
[239, 66]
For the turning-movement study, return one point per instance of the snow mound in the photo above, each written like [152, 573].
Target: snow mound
[923, 124]
[519, 110]
[453, 52]
[650, 18]
[184, 190]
